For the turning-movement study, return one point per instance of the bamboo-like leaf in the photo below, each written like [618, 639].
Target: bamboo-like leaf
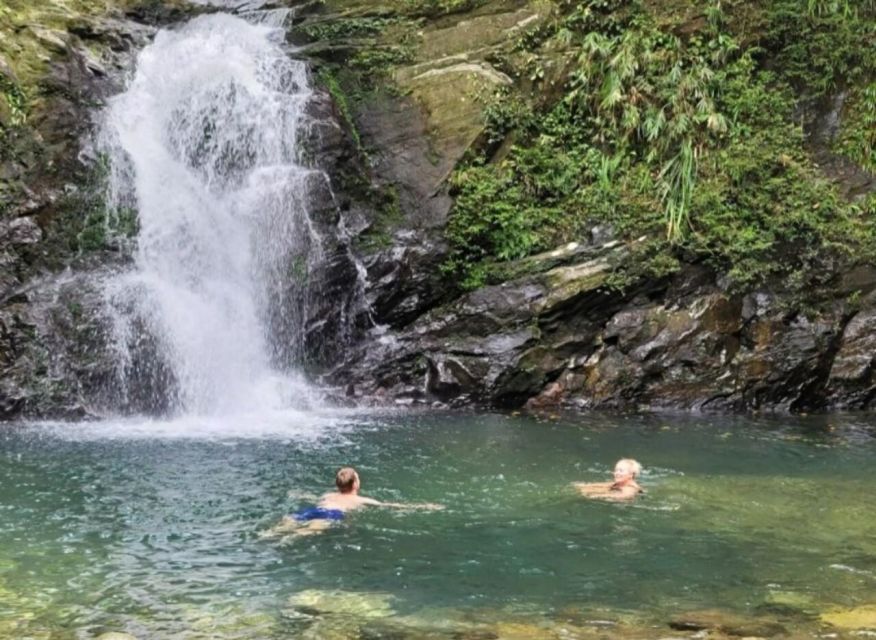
[716, 123]
[611, 92]
[630, 118]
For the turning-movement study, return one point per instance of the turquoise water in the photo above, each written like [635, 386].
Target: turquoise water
[110, 527]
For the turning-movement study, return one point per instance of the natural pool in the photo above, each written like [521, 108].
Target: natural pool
[152, 528]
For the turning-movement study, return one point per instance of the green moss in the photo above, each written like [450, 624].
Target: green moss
[93, 236]
[15, 103]
[371, 44]
[435, 8]
[345, 28]
[857, 136]
[373, 61]
[87, 223]
[342, 102]
[821, 45]
[389, 216]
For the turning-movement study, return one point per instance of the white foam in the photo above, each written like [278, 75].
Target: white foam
[285, 425]
[204, 145]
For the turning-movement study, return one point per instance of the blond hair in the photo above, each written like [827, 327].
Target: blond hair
[345, 479]
[631, 465]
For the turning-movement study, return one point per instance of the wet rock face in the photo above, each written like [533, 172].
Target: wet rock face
[54, 360]
[554, 337]
[852, 380]
[560, 338]
[490, 345]
[52, 349]
[410, 137]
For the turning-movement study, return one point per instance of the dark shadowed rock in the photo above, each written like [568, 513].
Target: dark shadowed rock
[852, 381]
[560, 338]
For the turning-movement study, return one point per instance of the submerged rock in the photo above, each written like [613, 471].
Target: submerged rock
[347, 603]
[863, 617]
[727, 623]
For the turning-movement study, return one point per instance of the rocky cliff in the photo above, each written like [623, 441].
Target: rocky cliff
[59, 61]
[506, 260]
[557, 328]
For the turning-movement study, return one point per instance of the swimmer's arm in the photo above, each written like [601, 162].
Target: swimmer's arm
[626, 494]
[426, 506]
[592, 488]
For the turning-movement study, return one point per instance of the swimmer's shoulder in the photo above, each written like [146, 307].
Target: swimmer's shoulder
[345, 502]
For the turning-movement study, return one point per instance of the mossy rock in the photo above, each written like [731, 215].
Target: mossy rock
[348, 603]
[453, 70]
[863, 617]
[565, 283]
[789, 602]
[523, 631]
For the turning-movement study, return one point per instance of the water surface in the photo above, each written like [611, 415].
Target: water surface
[153, 527]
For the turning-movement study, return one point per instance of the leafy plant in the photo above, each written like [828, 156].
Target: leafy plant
[680, 138]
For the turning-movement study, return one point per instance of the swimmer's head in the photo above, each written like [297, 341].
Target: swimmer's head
[347, 480]
[626, 469]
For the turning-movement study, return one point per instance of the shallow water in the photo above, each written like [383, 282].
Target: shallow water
[153, 527]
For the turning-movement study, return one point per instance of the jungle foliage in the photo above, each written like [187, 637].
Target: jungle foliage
[683, 134]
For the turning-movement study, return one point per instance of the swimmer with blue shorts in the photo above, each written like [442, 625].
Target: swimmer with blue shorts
[333, 507]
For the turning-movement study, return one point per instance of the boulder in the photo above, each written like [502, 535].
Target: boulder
[20, 231]
[359, 604]
[852, 380]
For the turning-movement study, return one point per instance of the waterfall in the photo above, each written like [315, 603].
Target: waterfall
[205, 146]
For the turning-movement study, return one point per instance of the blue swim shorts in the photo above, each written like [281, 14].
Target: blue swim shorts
[317, 513]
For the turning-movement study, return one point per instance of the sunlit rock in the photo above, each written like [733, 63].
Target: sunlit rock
[863, 617]
[346, 603]
[523, 631]
[790, 601]
[116, 635]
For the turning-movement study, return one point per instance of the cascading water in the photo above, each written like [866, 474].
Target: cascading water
[204, 146]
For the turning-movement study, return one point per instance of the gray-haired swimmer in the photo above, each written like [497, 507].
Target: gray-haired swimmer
[333, 506]
[622, 489]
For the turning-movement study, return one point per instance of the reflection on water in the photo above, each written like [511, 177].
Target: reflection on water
[152, 528]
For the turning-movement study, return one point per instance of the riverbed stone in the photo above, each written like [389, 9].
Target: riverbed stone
[862, 617]
[793, 602]
[116, 635]
[347, 603]
[727, 623]
[523, 631]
